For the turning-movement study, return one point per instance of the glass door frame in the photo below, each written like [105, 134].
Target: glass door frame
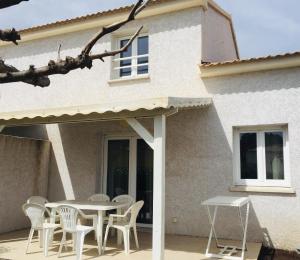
[132, 177]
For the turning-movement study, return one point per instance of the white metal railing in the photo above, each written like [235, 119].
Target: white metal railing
[134, 63]
[132, 57]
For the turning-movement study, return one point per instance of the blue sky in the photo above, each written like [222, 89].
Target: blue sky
[263, 27]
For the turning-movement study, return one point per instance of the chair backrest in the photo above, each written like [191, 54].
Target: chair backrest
[134, 211]
[124, 198]
[99, 197]
[36, 214]
[37, 200]
[68, 217]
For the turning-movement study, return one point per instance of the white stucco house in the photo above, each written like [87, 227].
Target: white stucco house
[182, 120]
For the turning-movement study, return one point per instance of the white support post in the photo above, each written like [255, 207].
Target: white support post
[142, 131]
[158, 236]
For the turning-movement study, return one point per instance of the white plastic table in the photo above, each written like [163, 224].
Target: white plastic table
[100, 207]
[227, 251]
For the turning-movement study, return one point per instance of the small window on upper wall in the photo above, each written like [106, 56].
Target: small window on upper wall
[261, 157]
[135, 60]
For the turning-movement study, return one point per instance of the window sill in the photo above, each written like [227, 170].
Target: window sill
[128, 79]
[261, 189]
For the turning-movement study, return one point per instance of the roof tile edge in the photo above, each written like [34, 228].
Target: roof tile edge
[99, 19]
[227, 68]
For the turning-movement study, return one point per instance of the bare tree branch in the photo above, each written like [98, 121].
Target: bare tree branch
[138, 7]
[38, 76]
[10, 35]
[39, 81]
[8, 3]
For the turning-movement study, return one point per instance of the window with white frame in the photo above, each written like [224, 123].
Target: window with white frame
[135, 60]
[261, 157]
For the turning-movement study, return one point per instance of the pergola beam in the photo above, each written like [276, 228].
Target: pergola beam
[158, 235]
[142, 131]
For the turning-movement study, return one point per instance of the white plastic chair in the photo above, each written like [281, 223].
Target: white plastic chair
[124, 199]
[69, 217]
[99, 197]
[37, 200]
[40, 201]
[36, 214]
[122, 223]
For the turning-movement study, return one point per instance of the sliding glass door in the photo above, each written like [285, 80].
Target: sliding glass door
[129, 170]
[144, 180]
[117, 167]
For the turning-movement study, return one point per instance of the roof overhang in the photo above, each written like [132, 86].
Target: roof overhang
[289, 60]
[100, 19]
[142, 108]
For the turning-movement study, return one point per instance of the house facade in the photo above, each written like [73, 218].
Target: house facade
[231, 127]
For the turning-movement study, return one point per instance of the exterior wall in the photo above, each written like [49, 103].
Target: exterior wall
[23, 173]
[171, 36]
[82, 153]
[199, 157]
[258, 99]
[218, 37]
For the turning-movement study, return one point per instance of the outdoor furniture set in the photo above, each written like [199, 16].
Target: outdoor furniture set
[65, 215]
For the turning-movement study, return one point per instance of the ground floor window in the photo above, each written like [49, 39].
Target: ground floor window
[261, 156]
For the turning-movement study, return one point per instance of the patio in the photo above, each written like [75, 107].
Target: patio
[12, 246]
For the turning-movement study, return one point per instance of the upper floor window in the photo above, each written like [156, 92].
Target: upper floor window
[135, 60]
[261, 157]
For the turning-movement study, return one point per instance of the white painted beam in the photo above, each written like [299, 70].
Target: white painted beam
[55, 138]
[1, 128]
[142, 131]
[158, 236]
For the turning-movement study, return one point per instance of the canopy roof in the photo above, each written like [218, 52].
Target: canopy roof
[103, 111]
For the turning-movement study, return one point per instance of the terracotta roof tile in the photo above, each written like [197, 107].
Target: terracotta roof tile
[256, 59]
[89, 16]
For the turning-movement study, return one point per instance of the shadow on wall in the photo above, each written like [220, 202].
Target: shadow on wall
[76, 155]
[77, 150]
[24, 173]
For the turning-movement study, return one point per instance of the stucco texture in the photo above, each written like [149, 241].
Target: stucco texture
[23, 173]
[199, 157]
[171, 38]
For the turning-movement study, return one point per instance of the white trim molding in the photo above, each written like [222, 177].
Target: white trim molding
[262, 189]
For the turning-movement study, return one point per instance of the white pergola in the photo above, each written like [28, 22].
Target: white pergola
[156, 108]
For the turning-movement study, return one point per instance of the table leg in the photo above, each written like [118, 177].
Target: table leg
[245, 231]
[212, 229]
[99, 230]
[119, 232]
[52, 220]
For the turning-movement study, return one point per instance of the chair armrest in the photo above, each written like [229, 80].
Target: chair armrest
[117, 216]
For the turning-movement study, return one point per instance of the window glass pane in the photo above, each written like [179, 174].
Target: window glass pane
[144, 187]
[248, 155]
[143, 48]
[117, 167]
[123, 63]
[274, 155]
